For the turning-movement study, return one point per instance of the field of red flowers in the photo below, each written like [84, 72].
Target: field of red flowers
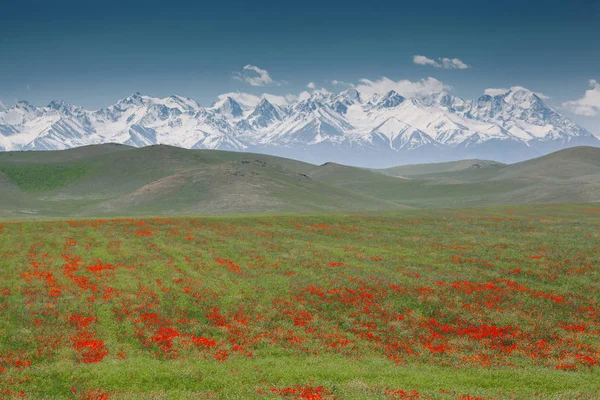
[486, 304]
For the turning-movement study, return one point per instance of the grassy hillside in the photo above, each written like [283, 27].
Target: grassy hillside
[424, 169]
[417, 192]
[362, 181]
[571, 175]
[120, 180]
[495, 303]
[572, 163]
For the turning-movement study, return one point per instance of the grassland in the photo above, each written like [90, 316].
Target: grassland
[435, 168]
[117, 180]
[494, 303]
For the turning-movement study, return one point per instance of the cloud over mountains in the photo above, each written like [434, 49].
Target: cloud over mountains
[444, 62]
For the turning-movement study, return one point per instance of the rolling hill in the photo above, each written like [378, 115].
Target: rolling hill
[114, 179]
[121, 180]
[433, 168]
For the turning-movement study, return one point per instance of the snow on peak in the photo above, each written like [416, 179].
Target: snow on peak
[264, 114]
[522, 97]
[183, 103]
[308, 105]
[229, 107]
[352, 94]
[391, 100]
[64, 107]
[264, 103]
[135, 99]
[23, 104]
[351, 123]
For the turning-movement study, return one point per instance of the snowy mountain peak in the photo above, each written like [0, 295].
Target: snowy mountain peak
[22, 104]
[349, 127]
[264, 103]
[441, 99]
[264, 114]
[229, 107]
[351, 94]
[135, 99]
[56, 104]
[308, 105]
[183, 103]
[522, 97]
[391, 100]
[64, 107]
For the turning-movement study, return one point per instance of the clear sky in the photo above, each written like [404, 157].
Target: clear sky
[94, 54]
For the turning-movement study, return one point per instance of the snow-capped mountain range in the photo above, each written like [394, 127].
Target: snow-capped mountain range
[348, 127]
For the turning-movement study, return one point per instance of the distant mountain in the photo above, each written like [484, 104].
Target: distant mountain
[348, 127]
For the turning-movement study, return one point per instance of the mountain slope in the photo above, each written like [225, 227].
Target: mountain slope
[121, 180]
[572, 164]
[571, 175]
[424, 169]
[349, 127]
[158, 180]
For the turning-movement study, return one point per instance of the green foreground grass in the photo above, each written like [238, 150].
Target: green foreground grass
[496, 303]
[363, 379]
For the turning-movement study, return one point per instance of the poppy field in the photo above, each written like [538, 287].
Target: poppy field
[499, 303]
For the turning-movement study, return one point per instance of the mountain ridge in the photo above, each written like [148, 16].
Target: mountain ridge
[349, 127]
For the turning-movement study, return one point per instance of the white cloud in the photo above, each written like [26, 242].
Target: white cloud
[404, 87]
[454, 63]
[589, 104]
[313, 87]
[290, 98]
[322, 91]
[247, 100]
[280, 101]
[538, 94]
[255, 76]
[335, 82]
[447, 63]
[496, 91]
[303, 96]
[422, 60]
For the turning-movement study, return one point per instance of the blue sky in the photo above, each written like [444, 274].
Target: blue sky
[93, 55]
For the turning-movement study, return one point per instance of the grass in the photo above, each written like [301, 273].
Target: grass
[433, 168]
[110, 180]
[492, 303]
[160, 179]
[42, 178]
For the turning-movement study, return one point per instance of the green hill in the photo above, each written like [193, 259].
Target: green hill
[424, 169]
[121, 180]
[417, 191]
[571, 175]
